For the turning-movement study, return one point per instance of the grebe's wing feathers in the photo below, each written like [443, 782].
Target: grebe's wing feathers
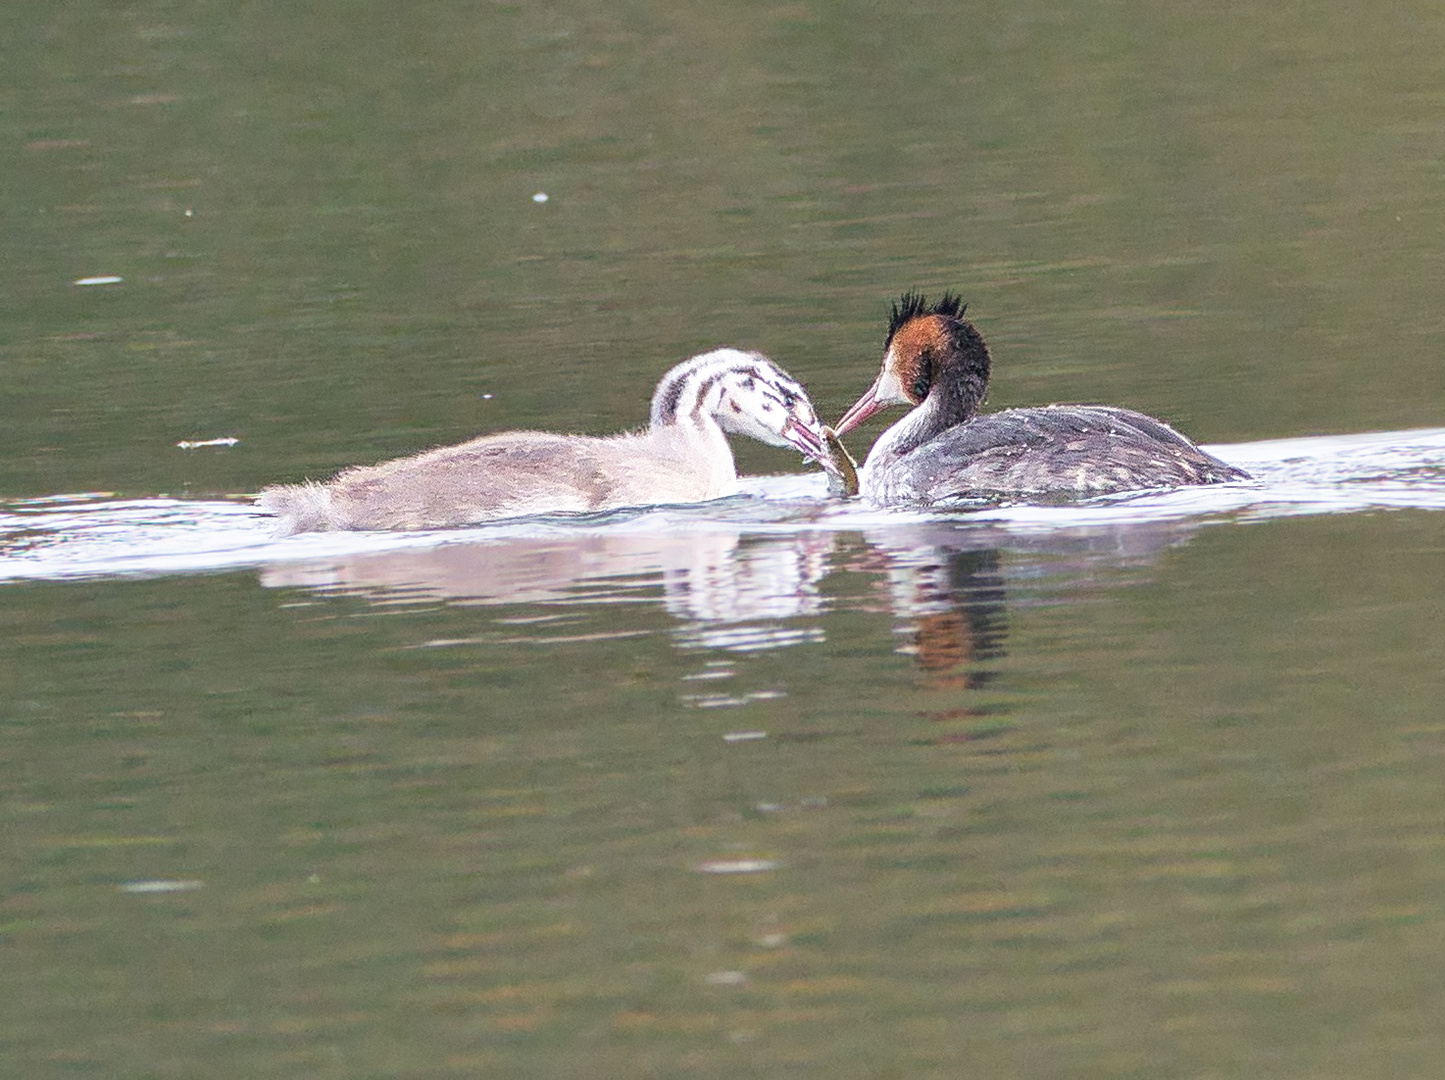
[1026, 451]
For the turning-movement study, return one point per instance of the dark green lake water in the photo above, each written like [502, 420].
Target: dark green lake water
[716, 794]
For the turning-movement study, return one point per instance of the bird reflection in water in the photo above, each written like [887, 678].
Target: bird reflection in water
[959, 619]
[949, 586]
[949, 601]
[752, 595]
[729, 590]
[947, 583]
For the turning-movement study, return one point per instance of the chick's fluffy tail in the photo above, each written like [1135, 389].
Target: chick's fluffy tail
[301, 508]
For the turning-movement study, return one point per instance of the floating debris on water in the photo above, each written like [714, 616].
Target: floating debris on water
[736, 866]
[725, 978]
[161, 886]
[228, 440]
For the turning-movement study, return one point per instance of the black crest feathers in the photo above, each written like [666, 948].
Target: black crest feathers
[914, 304]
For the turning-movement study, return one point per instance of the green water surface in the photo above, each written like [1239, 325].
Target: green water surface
[1170, 814]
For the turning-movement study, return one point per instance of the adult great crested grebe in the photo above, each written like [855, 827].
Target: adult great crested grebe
[683, 456]
[936, 361]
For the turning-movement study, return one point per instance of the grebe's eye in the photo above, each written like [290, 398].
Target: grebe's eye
[922, 378]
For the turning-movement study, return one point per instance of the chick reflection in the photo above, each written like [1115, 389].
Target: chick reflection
[730, 591]
[745, 600]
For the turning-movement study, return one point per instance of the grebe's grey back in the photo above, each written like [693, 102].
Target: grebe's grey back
[936, 361]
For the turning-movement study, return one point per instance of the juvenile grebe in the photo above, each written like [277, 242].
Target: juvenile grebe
[936, 361]
[683, 456]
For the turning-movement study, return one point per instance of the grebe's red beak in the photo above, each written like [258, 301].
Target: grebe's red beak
[862, 409]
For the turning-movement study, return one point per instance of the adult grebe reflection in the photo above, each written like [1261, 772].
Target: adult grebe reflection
[947, 593]
[730, 589]
[951, 585]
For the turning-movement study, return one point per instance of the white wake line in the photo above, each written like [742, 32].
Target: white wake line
[1426, 442]
[90, 536]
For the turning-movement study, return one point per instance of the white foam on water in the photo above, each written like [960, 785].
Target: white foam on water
[95, 535]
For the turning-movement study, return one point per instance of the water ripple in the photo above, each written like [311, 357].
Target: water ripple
[734, 540]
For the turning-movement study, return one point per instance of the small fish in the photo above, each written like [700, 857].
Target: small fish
[843, 476]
